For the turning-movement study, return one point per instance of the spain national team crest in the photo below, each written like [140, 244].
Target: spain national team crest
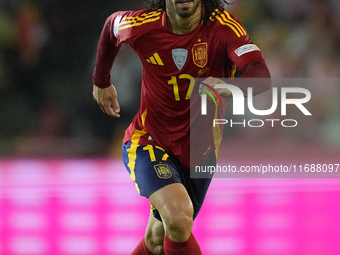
[180, 57]
[200, 54]
[163, 171]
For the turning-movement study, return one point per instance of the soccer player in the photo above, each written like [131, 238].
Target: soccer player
[178, 41]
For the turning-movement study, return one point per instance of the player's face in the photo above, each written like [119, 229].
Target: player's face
[183, 8]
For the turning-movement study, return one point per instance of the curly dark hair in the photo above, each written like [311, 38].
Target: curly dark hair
[209, 6]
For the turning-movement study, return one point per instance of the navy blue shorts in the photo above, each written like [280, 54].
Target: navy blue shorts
[152, 168]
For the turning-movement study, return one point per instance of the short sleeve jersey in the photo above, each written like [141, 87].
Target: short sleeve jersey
[171, 65]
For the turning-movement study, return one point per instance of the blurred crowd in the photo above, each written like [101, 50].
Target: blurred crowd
[47, 51]
[298, 38]
[47, 54]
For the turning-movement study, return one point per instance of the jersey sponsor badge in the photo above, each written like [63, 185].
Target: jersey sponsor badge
[200, 54]
[180, 57]
[116, 25]
[245, 49]
[163, 171]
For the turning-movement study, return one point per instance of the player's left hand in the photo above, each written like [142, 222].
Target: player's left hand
[211, 81]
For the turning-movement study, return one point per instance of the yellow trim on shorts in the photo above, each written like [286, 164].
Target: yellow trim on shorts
[133, 149]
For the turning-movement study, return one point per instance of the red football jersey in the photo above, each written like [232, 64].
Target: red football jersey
[171, 65]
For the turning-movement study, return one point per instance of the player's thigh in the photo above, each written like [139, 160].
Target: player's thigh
[197, 188]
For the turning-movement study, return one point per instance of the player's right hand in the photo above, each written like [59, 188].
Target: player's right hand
[211, 81]
[107, 100]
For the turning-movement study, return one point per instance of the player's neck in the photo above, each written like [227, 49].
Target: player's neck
[180, 25]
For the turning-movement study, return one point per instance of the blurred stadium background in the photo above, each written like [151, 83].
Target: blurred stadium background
[63, 186]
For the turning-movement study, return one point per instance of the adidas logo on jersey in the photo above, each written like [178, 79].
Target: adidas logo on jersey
[155, 60]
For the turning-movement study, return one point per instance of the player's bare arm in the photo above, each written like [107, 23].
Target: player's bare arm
[107, 100]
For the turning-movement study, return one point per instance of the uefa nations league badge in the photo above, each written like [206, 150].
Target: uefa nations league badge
[180, 57]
